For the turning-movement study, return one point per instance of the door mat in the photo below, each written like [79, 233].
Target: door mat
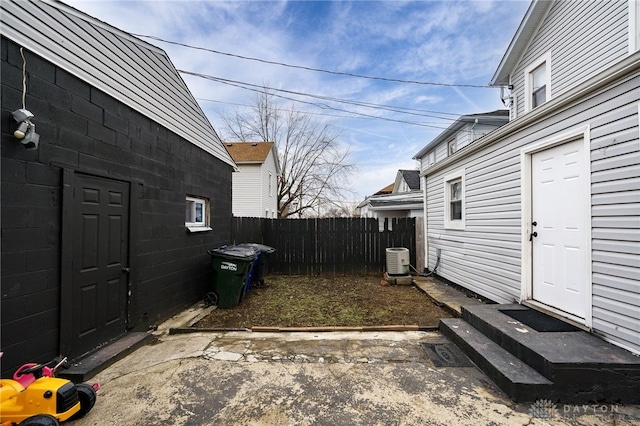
[446, 355]
[538, 321]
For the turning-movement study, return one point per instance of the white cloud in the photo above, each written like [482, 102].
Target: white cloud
[437, 41]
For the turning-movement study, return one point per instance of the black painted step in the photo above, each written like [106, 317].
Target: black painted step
[87, 367]
[583, 367]
[547, 352]
[514, 377]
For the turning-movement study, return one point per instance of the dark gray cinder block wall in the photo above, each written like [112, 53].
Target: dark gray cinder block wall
[83, 130]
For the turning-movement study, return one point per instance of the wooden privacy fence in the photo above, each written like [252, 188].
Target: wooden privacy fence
[333, 245]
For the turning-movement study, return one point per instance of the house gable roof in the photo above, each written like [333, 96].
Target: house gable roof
[411, 177]
[388, 196]
[398, 201]
[130, 70]
[249, 152]
[497, 117]
[386, 190]
[530, 24]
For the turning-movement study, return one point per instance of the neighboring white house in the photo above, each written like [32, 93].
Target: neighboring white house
[255, 184]
[545, 210]
[404, 199]
[462, 132]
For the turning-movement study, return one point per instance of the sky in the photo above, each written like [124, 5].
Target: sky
[385, 54]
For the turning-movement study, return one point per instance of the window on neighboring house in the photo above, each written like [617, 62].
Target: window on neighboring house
[537, 83]
[270, 185]
[539, 90]
[432, 158]
[197, 214]
[452, 147]
[454, 201]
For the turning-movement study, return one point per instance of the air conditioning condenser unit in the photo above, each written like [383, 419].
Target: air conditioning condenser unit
[398, 261]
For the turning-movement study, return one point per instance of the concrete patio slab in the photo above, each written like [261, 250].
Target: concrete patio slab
[329, 378]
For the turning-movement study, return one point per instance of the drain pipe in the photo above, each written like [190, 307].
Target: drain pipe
[473, 132]
[435, 268]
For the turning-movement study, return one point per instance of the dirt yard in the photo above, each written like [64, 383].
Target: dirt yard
[335, 300]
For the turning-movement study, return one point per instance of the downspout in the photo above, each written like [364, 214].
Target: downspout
[426, 238]
[425, 221]
[473, 133]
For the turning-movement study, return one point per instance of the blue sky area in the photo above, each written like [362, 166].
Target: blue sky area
[457, 43]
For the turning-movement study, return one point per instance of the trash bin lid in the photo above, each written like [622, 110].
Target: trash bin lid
[259, 247]
[246, 253]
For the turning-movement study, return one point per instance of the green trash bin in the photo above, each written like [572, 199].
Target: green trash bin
[230, 268]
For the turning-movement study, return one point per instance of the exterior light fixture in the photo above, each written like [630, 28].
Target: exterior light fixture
[26, 130]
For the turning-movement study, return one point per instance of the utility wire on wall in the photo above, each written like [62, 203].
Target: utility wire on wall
[24, 79]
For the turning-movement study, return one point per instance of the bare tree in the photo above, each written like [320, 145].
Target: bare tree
[343, 210]
[314, 165]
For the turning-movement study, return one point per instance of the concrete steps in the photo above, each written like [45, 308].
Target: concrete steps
[527, 364]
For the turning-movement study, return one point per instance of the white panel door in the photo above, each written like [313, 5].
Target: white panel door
[559, 210]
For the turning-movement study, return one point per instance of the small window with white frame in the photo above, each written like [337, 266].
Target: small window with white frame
[539, 86]
[197, 214]
[454, 204]
[270, 185]
[538, 82]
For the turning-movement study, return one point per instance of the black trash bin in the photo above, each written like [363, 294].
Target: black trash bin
[231, 265]
[260, 264]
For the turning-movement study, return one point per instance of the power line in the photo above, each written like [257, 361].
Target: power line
[256, 88]
[402, 110]
[306, 112]
[248, 58]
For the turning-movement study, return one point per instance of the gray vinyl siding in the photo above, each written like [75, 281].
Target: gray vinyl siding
[584, 38]
[485, 257]
[615, 188]
[441, 151]
[463, 137]
[134, 72]
[480, 130]
[470, 132]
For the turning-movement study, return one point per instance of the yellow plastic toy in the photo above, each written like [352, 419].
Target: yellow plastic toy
[34, 397]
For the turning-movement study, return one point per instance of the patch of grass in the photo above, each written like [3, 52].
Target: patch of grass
[331, 300]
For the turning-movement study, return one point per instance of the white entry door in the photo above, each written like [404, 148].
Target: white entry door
[559, 222]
